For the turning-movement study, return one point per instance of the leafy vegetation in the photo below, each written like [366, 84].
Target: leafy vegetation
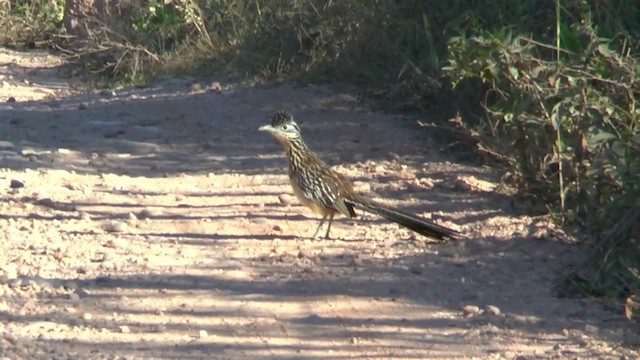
[547, 90]
[30, 23]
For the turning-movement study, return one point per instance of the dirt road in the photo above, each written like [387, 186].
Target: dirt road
[158, 223]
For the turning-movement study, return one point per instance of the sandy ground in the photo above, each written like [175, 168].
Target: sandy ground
[158, 223]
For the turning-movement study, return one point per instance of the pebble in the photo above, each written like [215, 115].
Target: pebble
[257, 220]
[147, 213]
[286, 199]
[216, 88]
[124, 329]
[16, 184]
[116, 226]
[133, 219]
[492, 310]
[416, 270]
[6, 145]
[27, 152]
[425, 183]
[87, 316]
[82, 106]
[470, 310]
[203, 334]
[195, 88]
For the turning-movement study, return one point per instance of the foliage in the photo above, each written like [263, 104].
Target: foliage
[564, 120]
[30, 23]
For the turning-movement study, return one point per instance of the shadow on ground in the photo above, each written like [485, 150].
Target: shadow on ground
[222, 268]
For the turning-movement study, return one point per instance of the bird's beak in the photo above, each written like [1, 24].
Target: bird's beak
[268, 128]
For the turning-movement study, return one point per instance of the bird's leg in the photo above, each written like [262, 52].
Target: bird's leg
[324, 217]
[326, 236]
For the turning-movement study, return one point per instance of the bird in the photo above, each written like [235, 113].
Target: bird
[328, 193]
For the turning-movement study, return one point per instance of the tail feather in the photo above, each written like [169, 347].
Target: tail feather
[410, 221]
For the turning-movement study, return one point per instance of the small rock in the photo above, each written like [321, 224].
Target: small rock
[565, 332]
[257, 220]
[216, 88]
[470, 310]
[416, 270]
[16, 184]
[9, 338]
[124, 329]
[82, 106]
[557, 347]
[286, 199]
[203, 334]
[116, 226]
[11, 99]
[6, 145]
[28, 152]
[276, 228]
[133, 219]
[426, 183]
[492, 310]
[147, 213]
[195, 88]
[87, 316]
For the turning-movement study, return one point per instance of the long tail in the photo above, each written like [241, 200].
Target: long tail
[410, 221]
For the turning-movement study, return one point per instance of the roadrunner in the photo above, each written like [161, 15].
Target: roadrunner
[327, 192]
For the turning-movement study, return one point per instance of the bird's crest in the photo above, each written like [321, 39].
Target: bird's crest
[281, 117]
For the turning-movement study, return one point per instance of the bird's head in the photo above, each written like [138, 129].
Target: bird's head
[282, 126]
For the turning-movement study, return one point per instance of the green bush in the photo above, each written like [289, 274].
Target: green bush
[564, 120]
[30, 23]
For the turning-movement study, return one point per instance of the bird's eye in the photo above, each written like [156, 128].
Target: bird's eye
[290, 127]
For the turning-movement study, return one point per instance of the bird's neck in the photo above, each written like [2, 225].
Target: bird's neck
[296, 151]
